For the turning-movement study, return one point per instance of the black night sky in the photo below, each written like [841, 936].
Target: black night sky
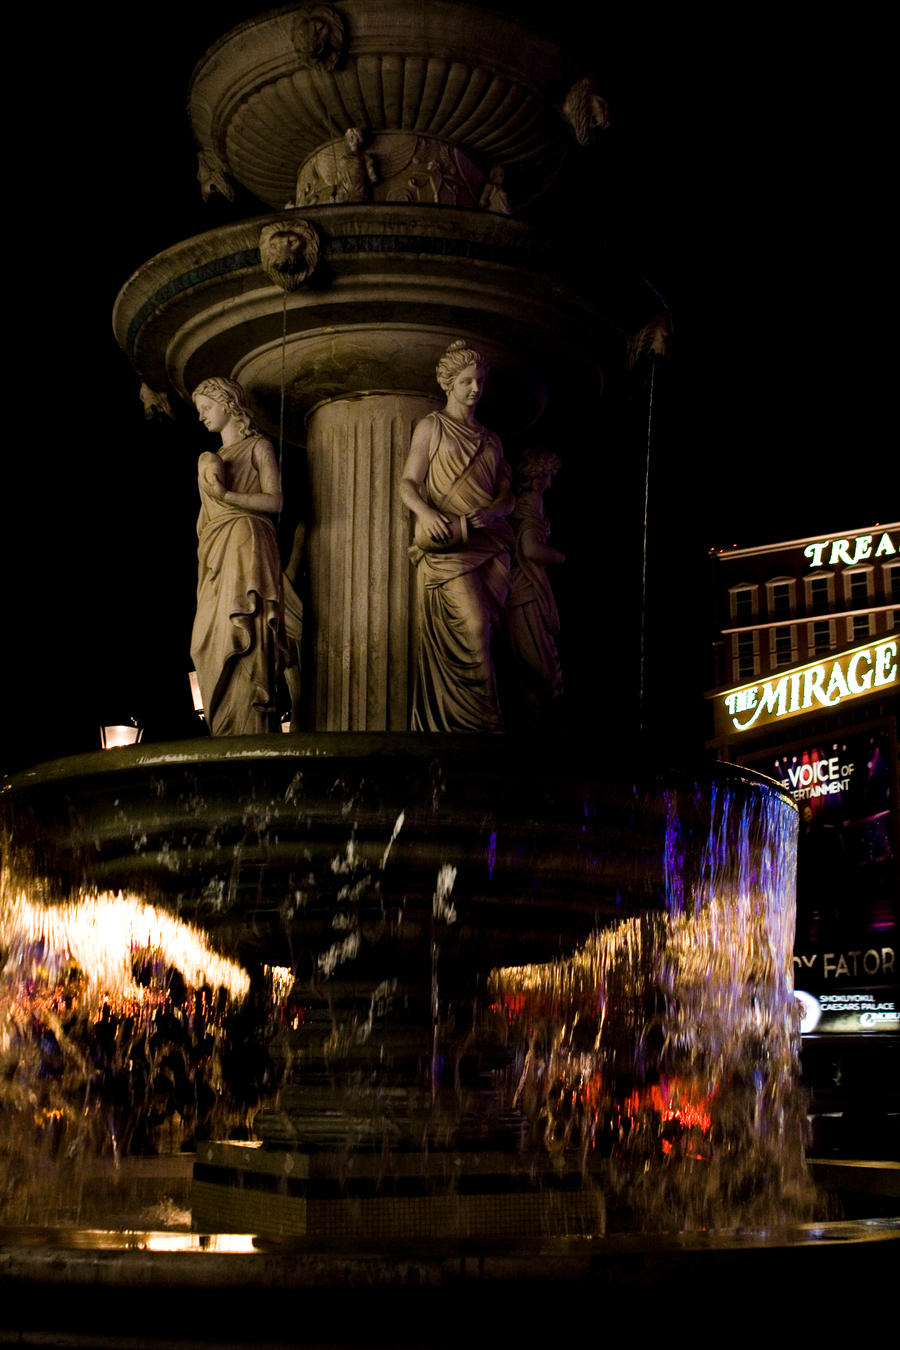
[744, 174]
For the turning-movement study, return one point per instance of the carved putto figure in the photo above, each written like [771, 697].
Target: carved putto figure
[532, 619]
[357, 170]
[341, 172]
[493, 196]
[288, 252]
[458, 486]
[237, 643]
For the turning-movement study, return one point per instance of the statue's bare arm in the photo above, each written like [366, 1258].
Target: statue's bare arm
[414, 471]
[535, 548]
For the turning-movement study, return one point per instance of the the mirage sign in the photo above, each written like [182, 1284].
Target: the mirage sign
[853, 674]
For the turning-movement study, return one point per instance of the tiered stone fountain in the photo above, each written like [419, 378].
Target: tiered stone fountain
[339, 346]
[496, 966]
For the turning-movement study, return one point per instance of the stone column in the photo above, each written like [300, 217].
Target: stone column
[359, 570]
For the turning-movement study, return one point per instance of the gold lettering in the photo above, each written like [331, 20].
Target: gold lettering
[829, 970]
[887, 959]
[871, 970]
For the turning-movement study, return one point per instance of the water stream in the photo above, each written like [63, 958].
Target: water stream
[398, 952]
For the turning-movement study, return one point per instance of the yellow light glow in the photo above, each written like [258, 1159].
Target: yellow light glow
[119, 734]
[100, 933]
[196, 696]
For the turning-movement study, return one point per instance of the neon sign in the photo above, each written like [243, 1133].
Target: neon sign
[818, 778]
[840, 550]
[808, 688]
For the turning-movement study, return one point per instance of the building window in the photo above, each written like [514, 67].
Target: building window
[857, 587]
[781, 597]
[744, 656]
[820, 637]
[891, 576]
[783, 645]
[858, 627]
[743, 604]
[819, 593]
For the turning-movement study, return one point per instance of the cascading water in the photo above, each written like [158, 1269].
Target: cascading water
[484, 963]
[665, 1049]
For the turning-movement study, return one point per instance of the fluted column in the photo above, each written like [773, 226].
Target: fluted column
[359, 569]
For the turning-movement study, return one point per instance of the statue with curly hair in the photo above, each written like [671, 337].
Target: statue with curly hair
[458, 486]
[237, 644]
[532, 619]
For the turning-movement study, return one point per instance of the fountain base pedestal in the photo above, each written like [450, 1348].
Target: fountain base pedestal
[245, 1188]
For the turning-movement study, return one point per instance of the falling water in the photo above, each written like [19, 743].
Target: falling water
[108, 1021]
[347, 950]
[665, 1048]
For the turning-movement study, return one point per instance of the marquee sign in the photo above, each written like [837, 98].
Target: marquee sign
[835, 552]
[852, 674]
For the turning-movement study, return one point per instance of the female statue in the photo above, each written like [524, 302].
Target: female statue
[457, 485]
[532, 619]
[238, 638]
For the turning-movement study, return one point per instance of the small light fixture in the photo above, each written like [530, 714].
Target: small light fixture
[196, 696]
[120, 733]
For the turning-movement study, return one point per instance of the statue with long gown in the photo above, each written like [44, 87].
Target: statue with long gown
[458, 485]
[237, 644]
[532, 618]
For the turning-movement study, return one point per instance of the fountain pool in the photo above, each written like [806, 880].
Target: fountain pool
[452, 986]
[358, 1010]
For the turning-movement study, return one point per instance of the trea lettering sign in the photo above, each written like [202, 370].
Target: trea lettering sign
[809, 688]
[849, 552]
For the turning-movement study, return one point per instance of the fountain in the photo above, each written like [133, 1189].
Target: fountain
[472, 1001]
[464, 953]
[356, 1005]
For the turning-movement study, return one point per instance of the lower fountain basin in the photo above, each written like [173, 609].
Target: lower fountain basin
[122, 1291]
[489, 964]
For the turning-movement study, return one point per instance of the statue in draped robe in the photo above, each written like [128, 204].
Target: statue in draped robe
[237, 644]
[458, 486]
[532, 619]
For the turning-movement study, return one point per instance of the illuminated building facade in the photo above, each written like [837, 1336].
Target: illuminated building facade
[807, 691]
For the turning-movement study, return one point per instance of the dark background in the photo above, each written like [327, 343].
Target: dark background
[744, 174]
